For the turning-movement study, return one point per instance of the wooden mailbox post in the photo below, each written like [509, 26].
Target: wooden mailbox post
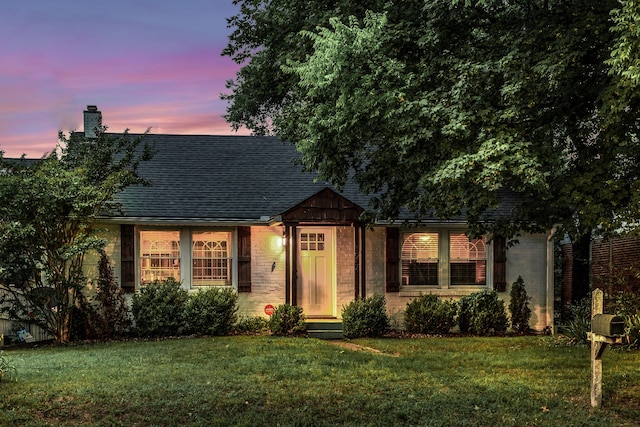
[605, 329]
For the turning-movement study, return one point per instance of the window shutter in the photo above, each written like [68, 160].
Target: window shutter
[244, 259]
[499, 264]
[393, 259]
[127, 258]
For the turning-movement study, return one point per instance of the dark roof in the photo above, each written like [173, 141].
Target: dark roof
[221, 178]
[232, 179]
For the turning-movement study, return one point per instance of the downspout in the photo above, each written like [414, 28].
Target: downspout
[550, 282]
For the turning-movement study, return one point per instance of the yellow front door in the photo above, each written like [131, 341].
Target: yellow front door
[315, 280]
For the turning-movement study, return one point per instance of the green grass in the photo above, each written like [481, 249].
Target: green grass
[268, 381]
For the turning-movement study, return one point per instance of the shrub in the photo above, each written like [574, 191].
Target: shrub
[632, 329]
[7, 370]
[365, 317]
[482, 313]
[287, 320]
[579, 322]
[211, 311]
[105, 315]
[519, 307]
[627, 305]
[255, 325]
[428, 314]
[464, 313]
[158, 308]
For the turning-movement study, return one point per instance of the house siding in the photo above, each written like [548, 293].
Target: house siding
[345, 267]
[267, 286]
[529, 259]
[111, 233]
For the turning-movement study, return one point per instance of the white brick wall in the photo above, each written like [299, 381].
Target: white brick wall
[267, 287]
[528, 259]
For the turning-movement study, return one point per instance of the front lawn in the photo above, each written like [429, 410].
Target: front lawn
[268, 381]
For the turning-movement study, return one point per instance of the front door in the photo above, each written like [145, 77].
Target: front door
[315, 280]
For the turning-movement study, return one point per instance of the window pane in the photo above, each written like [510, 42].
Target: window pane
[468, 260]
[159, 255]
[211, 256]
[312, 241]
[420, 259]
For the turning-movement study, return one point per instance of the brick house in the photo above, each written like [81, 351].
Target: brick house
[238, 211]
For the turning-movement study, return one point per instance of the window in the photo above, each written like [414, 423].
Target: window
[467, 260]
[159, 255]
[420, 259]
[312, 241]
[192, 256]
[211, 258]
[443, 259]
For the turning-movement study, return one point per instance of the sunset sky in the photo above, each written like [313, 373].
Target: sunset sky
[144, 63]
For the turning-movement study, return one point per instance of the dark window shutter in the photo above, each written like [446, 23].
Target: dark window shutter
[127, 258]
[244, 259]
[499, 264]
[393, 259]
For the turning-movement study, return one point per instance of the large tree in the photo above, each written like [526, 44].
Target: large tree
[445, 105]
[47, 222]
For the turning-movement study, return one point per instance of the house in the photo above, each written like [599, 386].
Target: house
[238, 211]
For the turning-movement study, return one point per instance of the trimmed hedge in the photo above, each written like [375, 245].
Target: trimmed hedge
[158, 308]
[365, 317]
[212, 311]
[428, 314]
[482, 313]
[287, 320]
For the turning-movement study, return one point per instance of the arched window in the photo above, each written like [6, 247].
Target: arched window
[211, 258]
[467, 260]
[159, 255]
[420, 259]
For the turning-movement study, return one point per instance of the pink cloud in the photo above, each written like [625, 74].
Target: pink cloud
[158, 67]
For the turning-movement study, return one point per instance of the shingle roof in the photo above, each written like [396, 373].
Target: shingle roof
[221, 178]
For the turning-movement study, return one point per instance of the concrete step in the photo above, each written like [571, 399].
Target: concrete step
[325, 330]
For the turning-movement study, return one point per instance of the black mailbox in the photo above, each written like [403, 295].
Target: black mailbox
[608, 325]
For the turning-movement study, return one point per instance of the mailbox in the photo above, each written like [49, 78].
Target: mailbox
[608, 325]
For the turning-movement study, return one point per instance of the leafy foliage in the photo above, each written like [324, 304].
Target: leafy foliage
[627, 305]
[7, 369]
[468, 100]
[365, 317]
[255, 325]
[106, 315]
[579, 323]
[212, 311]
[159, 307]
[482, 313]
[47, 223]
[428, 314]
[287, 320]
[519, 307]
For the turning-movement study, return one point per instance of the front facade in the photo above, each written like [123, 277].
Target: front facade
[238, 212]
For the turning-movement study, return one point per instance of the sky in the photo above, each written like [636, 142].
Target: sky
[144, 63]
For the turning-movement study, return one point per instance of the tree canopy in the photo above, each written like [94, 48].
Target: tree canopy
[443, 106]
[47, 222]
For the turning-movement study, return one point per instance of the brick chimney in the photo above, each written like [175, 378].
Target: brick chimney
[92, 121]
